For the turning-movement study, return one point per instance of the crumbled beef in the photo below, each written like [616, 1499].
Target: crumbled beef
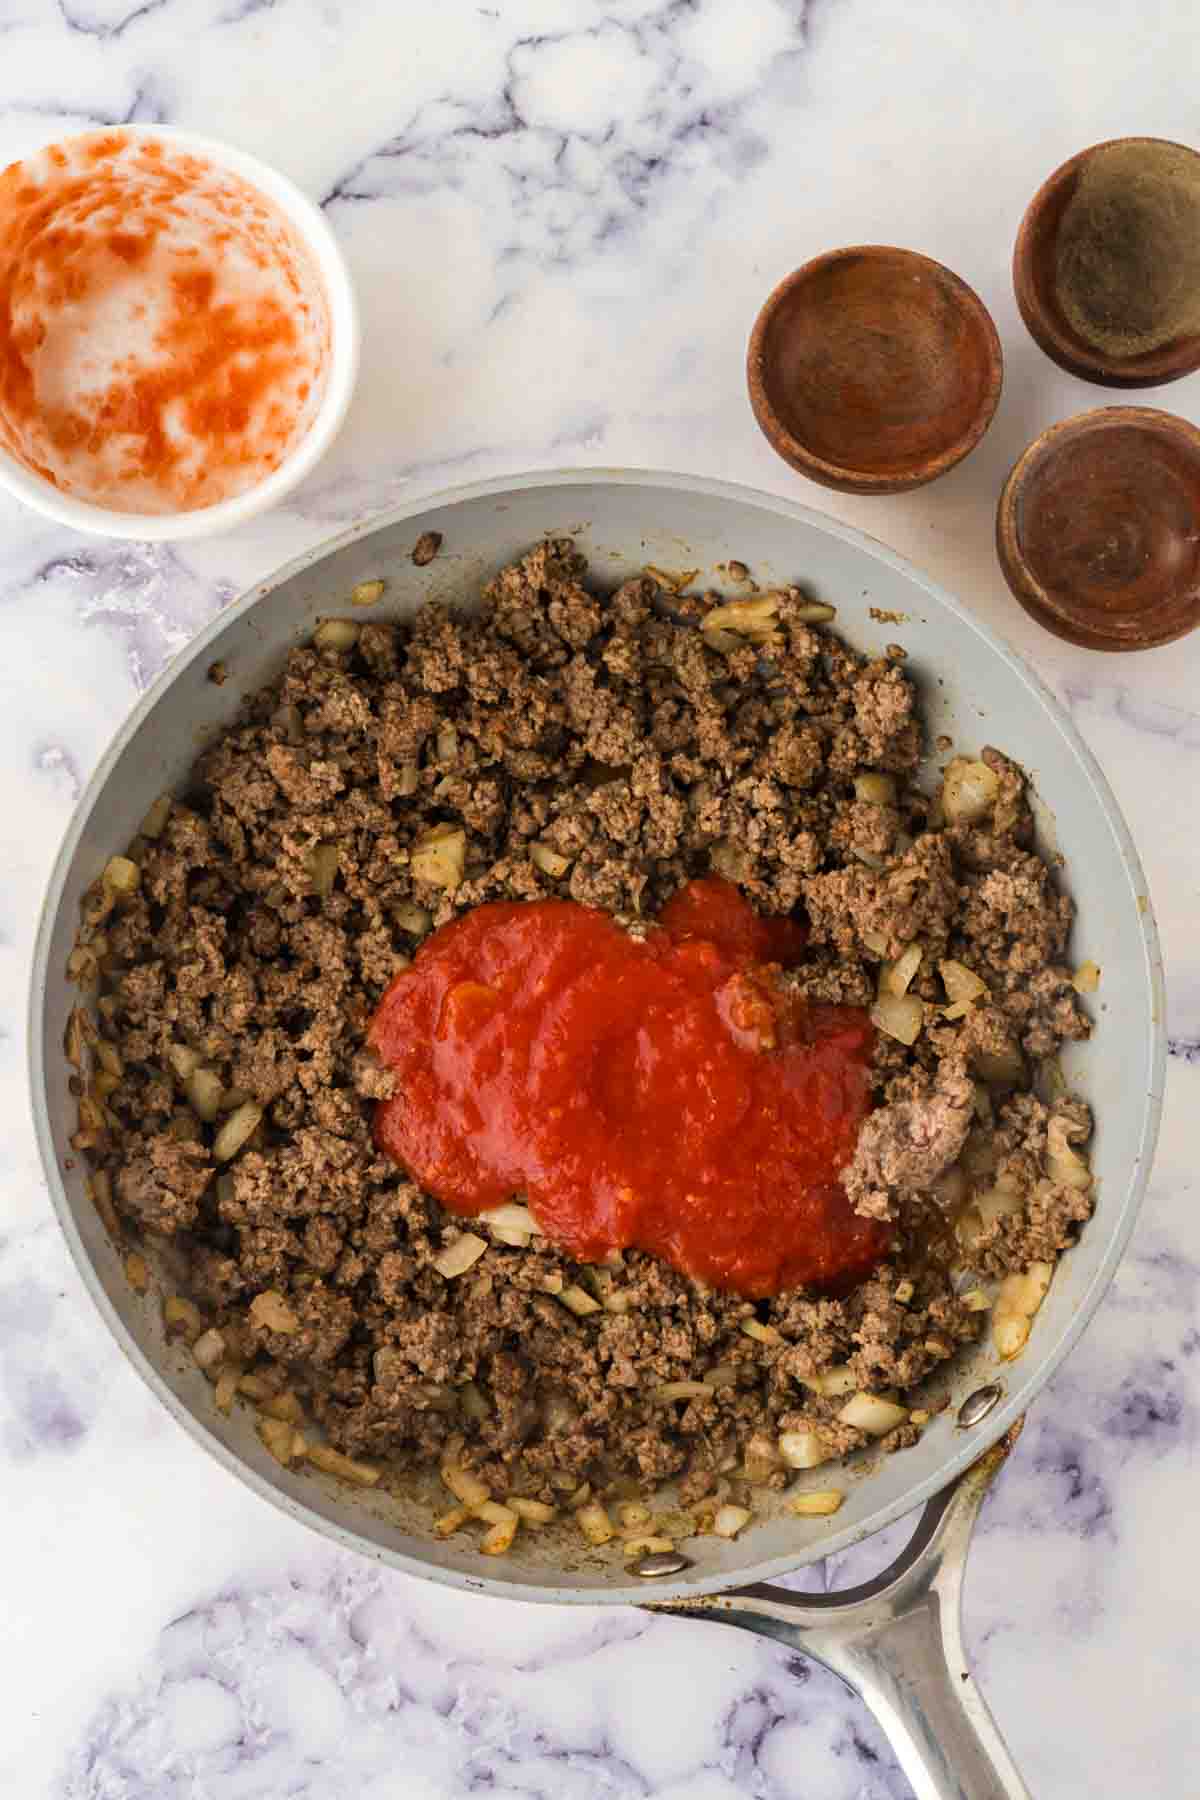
[608, 730]
[160, 1185]
[880, 912]
[903, 1147]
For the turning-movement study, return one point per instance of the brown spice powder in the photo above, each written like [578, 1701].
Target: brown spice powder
[1128, 249]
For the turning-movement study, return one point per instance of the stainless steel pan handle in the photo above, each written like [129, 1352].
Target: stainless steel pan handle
[897, 1640]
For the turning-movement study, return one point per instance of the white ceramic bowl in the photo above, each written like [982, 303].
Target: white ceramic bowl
[311, 228]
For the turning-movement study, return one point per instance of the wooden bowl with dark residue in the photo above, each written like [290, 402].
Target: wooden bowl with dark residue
[1036, 283]
[873, 370]
[1098, 528]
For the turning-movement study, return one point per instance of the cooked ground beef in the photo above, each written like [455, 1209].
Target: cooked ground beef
[599, 747]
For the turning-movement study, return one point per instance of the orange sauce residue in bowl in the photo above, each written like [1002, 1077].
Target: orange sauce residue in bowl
[164, 334]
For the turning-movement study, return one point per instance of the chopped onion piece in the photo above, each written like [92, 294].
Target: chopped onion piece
[802, 1449]
[335, 634]
[762, 1459]
[452, 1521]
[879, 790]
[962, 984]
[899, 1016]
[1017, 1302]
[594, 1523]
[283, 1406]
[762, 1334]
[227, 1387]
[867, 1412]
[83, 966]
[729, 860]
[459, 1256]
[549, 861]
[282, 1440]
[182, 1318]
[839, 1380]
[413, 919]
[1010, 1334]
[323, 862]
[514, 1240]
[209, 1348]
[182, 1059]
[977, 1300]
[753, 619]
[510, 1217]
[578, 1302]
[154, 823]
[439, 856]
[647, 1546]
[681, 1390]
[729, 1520]
[1063, 1163]
[969, 791]
[137, 1273]
[332, 1462]
[269, 1311]
[533, 1512]
[896, 977]
[817, 1504]
[1086, 978]
[464, 1484]
[493, 1513]
[1002, 1200]
[472, 1402]
[499, 1539]
[366, 594]
[239, 1126]
[121, 875]
[203, 1089]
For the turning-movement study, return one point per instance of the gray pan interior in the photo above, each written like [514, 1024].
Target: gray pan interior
[974, 689]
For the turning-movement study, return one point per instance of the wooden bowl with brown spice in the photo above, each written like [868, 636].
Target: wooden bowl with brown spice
[1106, 267]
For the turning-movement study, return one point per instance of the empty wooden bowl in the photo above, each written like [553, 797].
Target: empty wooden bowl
[1140, 243]
[873, 370]
[1098, 528]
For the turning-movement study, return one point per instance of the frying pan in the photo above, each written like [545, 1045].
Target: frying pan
[897, 1639]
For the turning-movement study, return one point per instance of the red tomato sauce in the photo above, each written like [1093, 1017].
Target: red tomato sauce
[666, 1095]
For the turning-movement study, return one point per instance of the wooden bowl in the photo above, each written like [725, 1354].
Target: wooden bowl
[1034, 281]
[1098, 528]
[874, 370]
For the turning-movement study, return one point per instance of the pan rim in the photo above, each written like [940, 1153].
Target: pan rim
[1019, 1392]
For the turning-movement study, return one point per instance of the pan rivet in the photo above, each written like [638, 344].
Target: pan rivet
[976, 1407]
[660, 1562]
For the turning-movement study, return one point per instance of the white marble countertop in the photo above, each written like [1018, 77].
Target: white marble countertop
[562, 215]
